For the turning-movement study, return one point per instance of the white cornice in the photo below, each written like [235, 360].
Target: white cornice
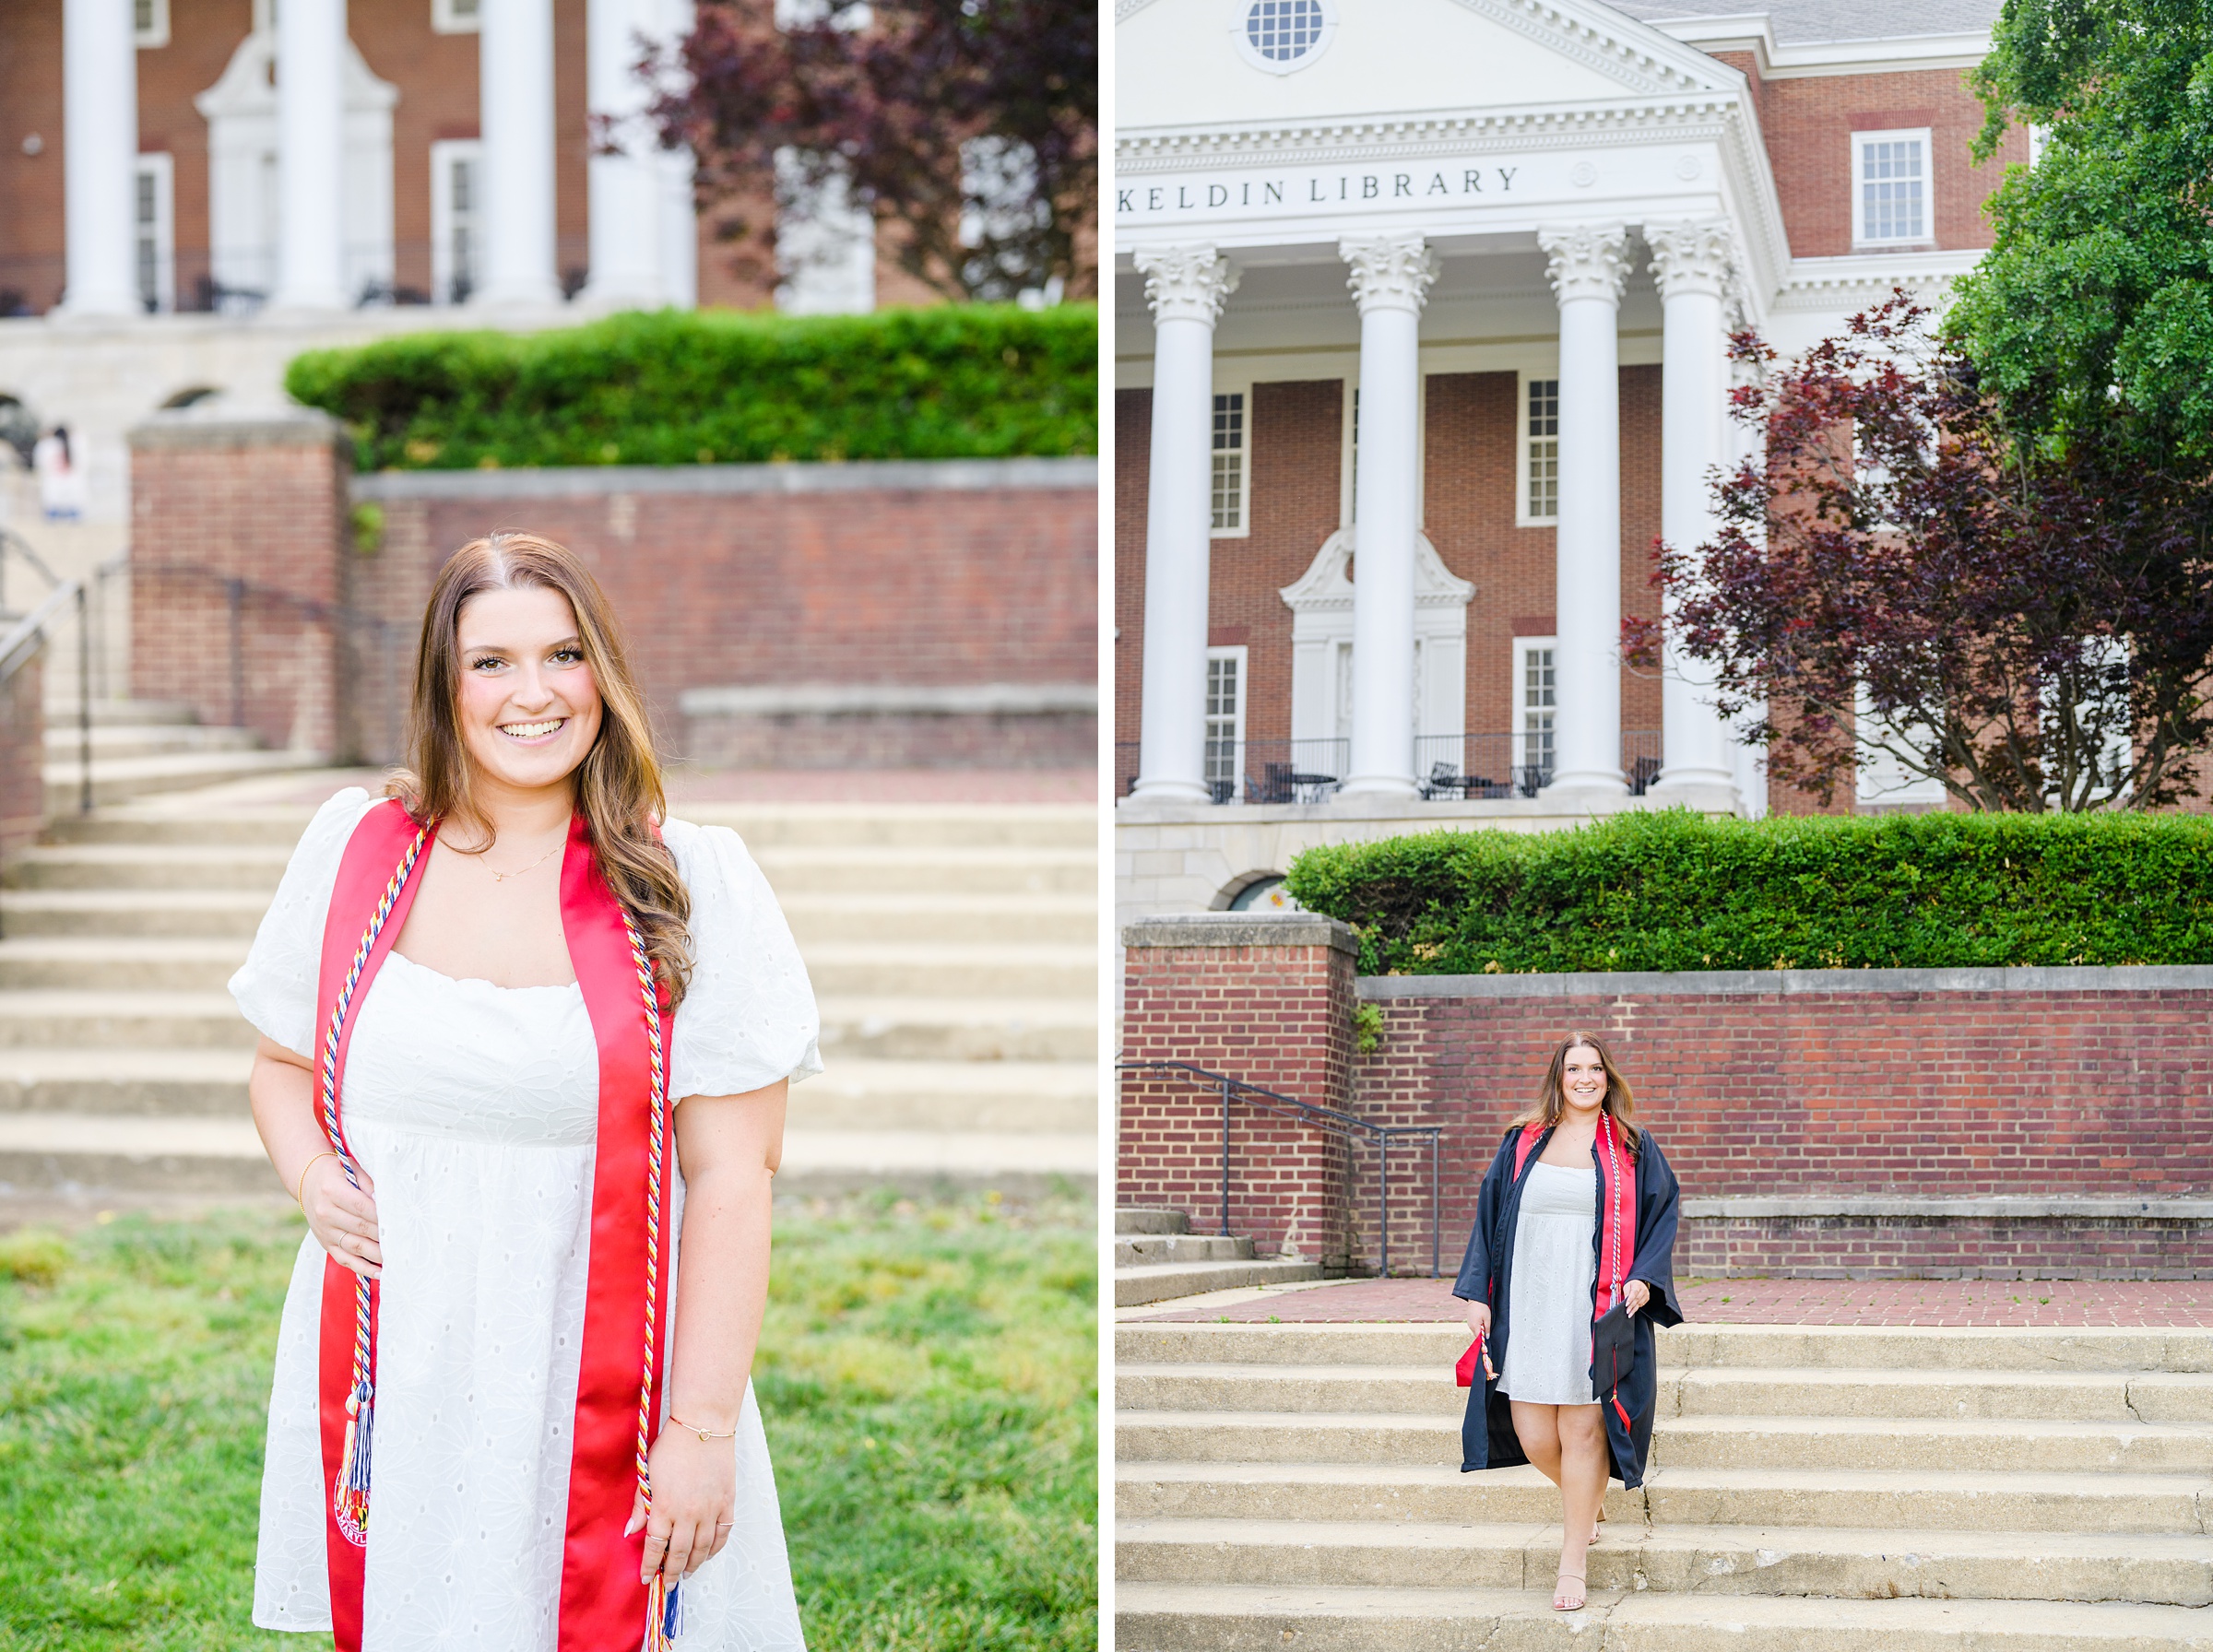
[1753, 32]
[1823, 283]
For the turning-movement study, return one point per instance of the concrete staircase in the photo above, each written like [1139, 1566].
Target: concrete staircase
[1857, 1489]
[1157, 1257]
[142, 746]
[952, 950]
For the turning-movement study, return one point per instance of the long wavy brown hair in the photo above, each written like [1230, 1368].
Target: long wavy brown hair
[619, 788]
[1552, 1099]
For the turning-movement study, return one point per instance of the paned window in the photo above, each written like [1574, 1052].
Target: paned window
[1229, 463]
[154, 231]
[1535, 701]
[1284, 31]
[457, 220]
[1890, 203]
[1542, 437]
[1224, 720]
[149, 22]
[1351, 478]
[456, 16]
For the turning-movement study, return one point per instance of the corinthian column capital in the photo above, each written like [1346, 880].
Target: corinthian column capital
[1186, 283]
[1694, 255]
[1390, 272]
[1587, 262]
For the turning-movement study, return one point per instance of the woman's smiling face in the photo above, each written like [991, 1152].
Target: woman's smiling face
[1584, 1077]
[528, 704]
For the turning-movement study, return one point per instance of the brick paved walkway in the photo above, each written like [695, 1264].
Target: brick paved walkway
[1786, 1301]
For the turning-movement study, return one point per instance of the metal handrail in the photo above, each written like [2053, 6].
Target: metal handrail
[1330, 1119]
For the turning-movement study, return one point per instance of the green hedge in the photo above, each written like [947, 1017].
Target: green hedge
[955, 382]
[1670, 890]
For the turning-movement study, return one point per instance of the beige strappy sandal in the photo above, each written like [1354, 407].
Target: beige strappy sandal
[1559, 1592]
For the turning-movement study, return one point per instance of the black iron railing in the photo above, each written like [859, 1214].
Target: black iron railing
[1330, 1121]
[1456, 766]
[23, 636]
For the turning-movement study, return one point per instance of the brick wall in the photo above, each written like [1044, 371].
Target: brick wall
[1132, 464]
[255, 501]
[923, 576]
[2017, 1123]
[22, 757]
[1266, 1000]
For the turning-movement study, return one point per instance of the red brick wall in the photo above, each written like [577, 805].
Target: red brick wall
[1132, 465]
[1276, 1013]
[1297, 434]
[22, 757]
[30, 185]
[258, 503]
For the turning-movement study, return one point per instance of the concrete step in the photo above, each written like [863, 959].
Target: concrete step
[900, 870]
[236, 869]
[51, 1151]
[134, 964]
[1159, 1616]
[117, 780]
[128, 1020]
[1898, 1499]
[922, 1162]
[905, 825]
[1750, 1443]
[1735, 1347]
[1180, 1247]
[1015, 1098]
[819, 919]
[1134, 1287]
[203, 913]
[886, 968]
[1425, 1390]
[61, 714]
[120, 1080]
[910, 1029]
[2172, 1570]
[1129, 1218]
[143, 740]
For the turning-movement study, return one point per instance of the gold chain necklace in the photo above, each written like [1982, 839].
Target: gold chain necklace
[500, 877]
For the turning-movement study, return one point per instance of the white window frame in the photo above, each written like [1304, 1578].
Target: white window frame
[1523, 380]
[1244, 529]
[446, 20]
[264, 17]
[1236, 656]
[1348, 458]
[444, 153]
[1860, 141]
[156, 32]
[1517, 755]
[161, 167]
[1270, 65]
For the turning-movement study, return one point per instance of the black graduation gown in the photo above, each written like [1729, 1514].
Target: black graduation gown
[1486, 1436]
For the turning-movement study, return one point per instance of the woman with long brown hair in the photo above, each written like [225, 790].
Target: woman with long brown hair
[525, 1046]
[1572, 1254]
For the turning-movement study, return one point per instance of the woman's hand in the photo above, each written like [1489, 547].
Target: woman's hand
[343, 1217]
[694, 1503]
[1479, 1322]
[1635, 1293]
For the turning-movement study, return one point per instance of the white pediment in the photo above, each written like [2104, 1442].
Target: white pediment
[1327, 586]
[1180, 65]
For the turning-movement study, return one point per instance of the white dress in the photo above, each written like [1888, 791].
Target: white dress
[474, 1108]
[1548, 1308]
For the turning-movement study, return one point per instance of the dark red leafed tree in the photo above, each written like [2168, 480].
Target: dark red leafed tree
[969, 125]
[1895, 575]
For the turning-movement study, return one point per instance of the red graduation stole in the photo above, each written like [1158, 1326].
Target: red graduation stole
[603, 1607]
[1616, 1205]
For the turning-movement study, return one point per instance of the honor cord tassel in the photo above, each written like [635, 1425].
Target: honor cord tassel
[350, 1492]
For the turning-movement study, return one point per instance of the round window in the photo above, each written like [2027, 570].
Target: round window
[1282, 35]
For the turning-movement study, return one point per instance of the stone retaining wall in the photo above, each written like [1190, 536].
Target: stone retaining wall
[2001, 1123]
[22, 756]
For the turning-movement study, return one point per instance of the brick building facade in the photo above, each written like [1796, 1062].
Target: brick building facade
[1374, 545]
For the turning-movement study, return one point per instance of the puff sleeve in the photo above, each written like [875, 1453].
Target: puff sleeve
[749, 1017]
[274, 988]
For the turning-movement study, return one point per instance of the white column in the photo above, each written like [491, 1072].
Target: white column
[310, 155]
[677, 225]
[100, 158]
[1691, 262]
[1587, 265]
[625, 187]
[1186, 287]
[1391, 275]
[514, 55]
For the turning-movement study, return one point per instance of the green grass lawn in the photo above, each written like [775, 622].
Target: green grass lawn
[927, 1377]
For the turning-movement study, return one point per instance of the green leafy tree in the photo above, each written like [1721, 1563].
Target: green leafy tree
[2090, 320]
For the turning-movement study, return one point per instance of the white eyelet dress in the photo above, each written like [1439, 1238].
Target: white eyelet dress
[1548, 1311]
[474, 1110]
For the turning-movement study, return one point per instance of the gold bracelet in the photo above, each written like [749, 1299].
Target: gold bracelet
[300, 1192]
[704, 1433]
